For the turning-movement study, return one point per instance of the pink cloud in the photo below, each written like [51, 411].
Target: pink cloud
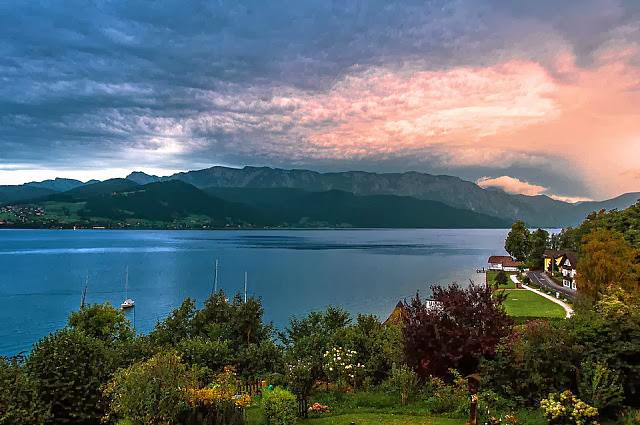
[516, 186]
[516, 112]
[512, 185]
[570, 199]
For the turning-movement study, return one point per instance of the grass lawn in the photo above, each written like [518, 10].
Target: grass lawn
[254, 417]
[381, 418]
[524, 303]
[491, 279]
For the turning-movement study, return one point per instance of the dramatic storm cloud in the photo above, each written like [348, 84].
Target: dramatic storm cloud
[532, 97]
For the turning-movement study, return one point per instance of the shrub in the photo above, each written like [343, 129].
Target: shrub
[69, 368]
[403, 380]
[150, 392]
[566, 408]
[299, 376]
[19, 402]
[280, 407]
[501, 279]
[341, 367]
[448, 398]
[538, 358]
[465, 326]
[600, 386]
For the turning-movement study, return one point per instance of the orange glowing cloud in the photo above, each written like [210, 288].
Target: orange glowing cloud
[512, 185]
[512, 113]
[516, 186]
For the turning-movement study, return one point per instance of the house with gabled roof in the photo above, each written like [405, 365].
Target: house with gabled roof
[504, 263]
[569, 272]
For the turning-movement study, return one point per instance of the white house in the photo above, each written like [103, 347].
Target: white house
[504, 263]
[569, 271]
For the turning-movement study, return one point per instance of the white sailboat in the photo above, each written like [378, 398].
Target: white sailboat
[128, 302]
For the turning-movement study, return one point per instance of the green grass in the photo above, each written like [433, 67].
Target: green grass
[524, 303]
[381, 418]
[491, 280]
[255, 417]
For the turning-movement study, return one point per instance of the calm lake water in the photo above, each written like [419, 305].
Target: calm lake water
[42, 272]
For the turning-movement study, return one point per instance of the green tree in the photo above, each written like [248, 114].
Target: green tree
[501, 279]
[175, 327]
[19, 401]
[517, 242]
[311, 336]
[538, 241]
[69, 367]
[101, 321]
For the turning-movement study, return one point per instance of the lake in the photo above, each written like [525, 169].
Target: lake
[42, 272]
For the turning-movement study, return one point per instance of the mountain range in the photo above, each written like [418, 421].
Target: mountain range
[177, 204]
[262, 196]
[536, 211]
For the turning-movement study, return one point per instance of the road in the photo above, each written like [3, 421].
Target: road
[543, 280]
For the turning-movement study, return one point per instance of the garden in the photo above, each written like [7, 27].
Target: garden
[456, 358]
[222, 364]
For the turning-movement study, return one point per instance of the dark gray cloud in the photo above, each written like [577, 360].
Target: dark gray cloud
[183, 84]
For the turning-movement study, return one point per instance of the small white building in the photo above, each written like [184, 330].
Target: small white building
[504, 263]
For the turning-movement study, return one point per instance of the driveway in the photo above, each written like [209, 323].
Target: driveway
[543, 280]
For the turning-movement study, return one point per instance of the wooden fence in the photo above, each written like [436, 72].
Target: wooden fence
[252, 387]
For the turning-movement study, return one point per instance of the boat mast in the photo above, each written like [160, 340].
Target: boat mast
[83, 298]
[126, 283]
[215, 279]
[245, 287]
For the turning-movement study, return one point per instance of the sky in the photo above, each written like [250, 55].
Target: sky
[533, 97]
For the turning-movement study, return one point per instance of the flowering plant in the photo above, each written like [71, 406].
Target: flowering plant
[340, 365]
[222, 391]
[299, 376]
[565, 408]
[319, 408]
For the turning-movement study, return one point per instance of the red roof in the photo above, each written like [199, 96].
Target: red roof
[505, 260]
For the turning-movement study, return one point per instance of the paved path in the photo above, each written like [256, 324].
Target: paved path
[567, 308]
[546, 281]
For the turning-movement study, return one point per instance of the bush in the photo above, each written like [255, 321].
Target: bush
[403, 380]
[69, 368]
[341, 367]
[501, 279]
[566, 408]
[299, 376]
[465, 326]
[600, 386]
[150, 392]
[19, 402]
[280, 407]
[448, 398]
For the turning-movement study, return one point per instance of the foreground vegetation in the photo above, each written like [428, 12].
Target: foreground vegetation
[195, 366]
